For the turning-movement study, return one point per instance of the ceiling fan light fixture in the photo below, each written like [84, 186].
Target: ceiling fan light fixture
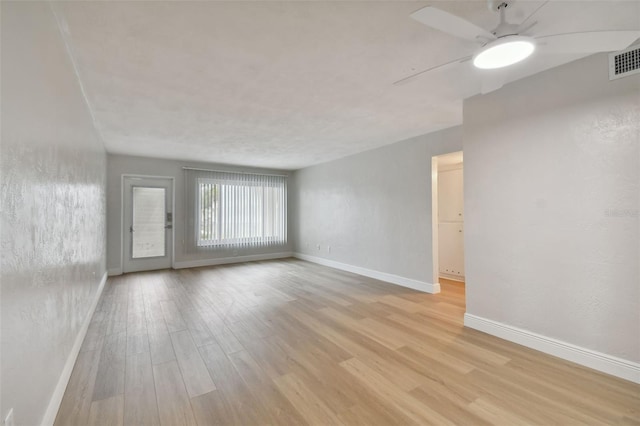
[504, 51]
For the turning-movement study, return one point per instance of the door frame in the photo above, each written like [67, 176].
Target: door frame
[122, 213]
[434, 223]
[435, 166]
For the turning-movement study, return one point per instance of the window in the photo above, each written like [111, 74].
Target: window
[239, 209]
[148, 220]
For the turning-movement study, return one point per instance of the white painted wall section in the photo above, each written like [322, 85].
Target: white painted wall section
[372, 210]
[552, 198]
[52, 169]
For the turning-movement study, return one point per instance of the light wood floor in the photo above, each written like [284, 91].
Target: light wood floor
[293, 343]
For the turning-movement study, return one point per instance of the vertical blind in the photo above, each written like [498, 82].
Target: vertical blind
[236, 209]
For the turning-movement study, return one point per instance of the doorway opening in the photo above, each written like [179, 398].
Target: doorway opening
[448, 220]
[147, 231]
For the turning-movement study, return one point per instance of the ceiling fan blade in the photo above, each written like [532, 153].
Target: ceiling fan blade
[587, 42]
[524, 26]
[450, 24]
[412, 77]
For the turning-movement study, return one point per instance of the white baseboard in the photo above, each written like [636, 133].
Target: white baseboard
[226, 260]
[451, 277]
[56, 399]
[382, 276]
[114, 271]
[618, 367]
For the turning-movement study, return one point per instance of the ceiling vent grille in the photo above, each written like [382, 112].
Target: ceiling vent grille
[624, 63]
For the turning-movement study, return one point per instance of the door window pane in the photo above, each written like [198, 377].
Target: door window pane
[148, 237]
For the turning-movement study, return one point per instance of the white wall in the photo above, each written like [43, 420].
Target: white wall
[53, 209]
[117, 165]
[373, 209]
[551, 207]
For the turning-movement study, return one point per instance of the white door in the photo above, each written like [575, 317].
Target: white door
[148, 223]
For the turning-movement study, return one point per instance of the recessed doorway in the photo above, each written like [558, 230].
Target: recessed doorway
[448, 218]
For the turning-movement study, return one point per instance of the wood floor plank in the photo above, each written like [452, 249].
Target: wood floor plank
[161, 347]
[435, 354]
[136, 320]
[494, 414]
[140, 405]
[270, 357]
[116, 317]
[429, 330]
[225, 337]
[409, 405]
[174, 407]
[314, 411]
[110, 378]
[288, 342]
[211, 409]
[400, 303]
[387, 339]
[524, 402]
[361, 416]
[272, 406]
[325, 377]
[235, 393]
[221, 370]
[194, 371]
[448, 404]
[94, 339]
[198, 328]
[172, 316]
[107, 412]
[137, 343]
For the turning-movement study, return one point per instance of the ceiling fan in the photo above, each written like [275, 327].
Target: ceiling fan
[508, 43]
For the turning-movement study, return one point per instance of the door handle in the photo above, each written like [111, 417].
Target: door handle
[168, 226]
[131, 229]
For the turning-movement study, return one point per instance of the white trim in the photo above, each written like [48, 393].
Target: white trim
[435, 229]
[615, 366]
[122, 222]
[114, 271]
[224, 260]
[382, 276]
[450, 167]
[451, 277]
[56, 399]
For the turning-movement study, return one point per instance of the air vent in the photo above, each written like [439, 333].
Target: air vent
[624, 63]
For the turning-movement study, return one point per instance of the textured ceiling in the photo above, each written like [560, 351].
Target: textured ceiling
[286, 84]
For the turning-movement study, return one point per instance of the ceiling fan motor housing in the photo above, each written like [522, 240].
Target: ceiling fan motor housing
[504, 28]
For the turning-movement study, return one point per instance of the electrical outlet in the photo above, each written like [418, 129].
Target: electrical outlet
[318, 246]
[8, 421]
[328, 249]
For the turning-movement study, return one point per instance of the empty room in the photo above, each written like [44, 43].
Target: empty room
[320, 212]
